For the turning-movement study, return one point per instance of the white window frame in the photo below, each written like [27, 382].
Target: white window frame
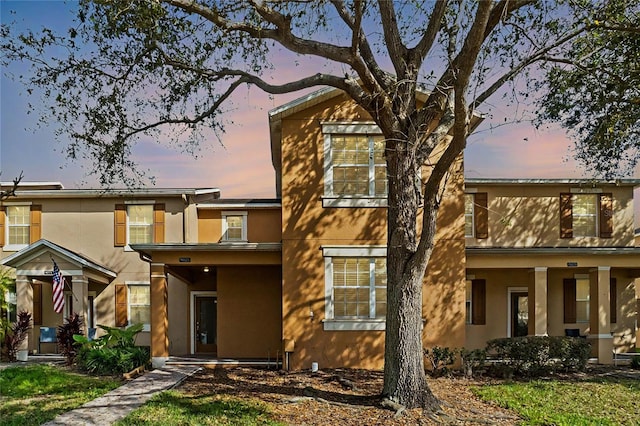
[472, 215]
[583, 278]
[15, 247]
[329, 199]
[146, 327]
[225, 226]
[134, 203]
[595, 215]
[331, 323]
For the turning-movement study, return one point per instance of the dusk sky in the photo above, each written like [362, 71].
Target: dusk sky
[242, 168]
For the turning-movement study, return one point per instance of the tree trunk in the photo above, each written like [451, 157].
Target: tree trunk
[404, 374]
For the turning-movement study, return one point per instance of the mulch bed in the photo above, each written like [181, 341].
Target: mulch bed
[345, 397]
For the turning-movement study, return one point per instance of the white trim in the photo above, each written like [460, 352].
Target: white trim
[354, 251]
[14, 247]
[225, 226]
[586, 190]
[604, 268]
[17, 203]
[192, 314]
[600, 336]
[354, 325]
[238, 205]
[511, 290]
[541, 268]
[362, 202]
[139, 202]
[351, 127]
[145, 327]
[581, 277]
[159, 361]
[473, 215]
[48, 273]
[470, 190]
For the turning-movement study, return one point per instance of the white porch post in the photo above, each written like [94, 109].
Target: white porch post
[80, 298]
[538, 302]
[24, 302]
[600, 315]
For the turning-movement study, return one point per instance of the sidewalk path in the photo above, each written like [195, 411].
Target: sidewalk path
[116, 404]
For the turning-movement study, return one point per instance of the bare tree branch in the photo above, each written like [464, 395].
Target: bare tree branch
[420, 51]
[11, 192]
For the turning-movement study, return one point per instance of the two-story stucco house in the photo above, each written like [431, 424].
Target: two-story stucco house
[302, 278]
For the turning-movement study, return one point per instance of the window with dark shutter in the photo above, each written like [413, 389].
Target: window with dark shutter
[606, 215]
[481, 215]
[566, 216]
[478, 302]
[35, 228]
[37, 303]
[613, 300]
[121, 305]
[569, 290]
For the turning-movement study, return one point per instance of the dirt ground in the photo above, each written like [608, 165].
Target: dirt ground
[345, 397]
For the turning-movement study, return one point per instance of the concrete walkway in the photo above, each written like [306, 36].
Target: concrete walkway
[115, 405]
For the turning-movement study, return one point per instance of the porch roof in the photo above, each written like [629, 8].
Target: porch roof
[20, 258]
[554, 250]
[146, 250]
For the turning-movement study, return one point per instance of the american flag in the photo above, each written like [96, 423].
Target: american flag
[58, 288]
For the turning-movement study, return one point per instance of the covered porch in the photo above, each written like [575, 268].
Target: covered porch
[215, 302]
[589, 292]
[85, 281]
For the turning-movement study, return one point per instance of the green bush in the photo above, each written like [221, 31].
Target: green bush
[113, 353]
[635, 362]
[472, 360]
[440, 358]
[534, 356]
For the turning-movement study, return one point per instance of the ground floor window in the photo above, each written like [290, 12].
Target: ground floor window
[139, 304]
[355, 288]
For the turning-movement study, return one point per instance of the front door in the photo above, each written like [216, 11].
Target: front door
[206, 319]
[519, 314]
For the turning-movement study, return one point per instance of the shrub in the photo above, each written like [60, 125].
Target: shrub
[16, 333]
[66, 343]
[440, 358]
[534, 356]
[472, 360]
[113, 353]
[635, 362]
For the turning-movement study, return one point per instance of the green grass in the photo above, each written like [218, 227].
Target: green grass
[36, 394]
[552, 402]
[176, 408]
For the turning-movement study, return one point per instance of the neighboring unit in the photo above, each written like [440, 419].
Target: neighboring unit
[302, 278]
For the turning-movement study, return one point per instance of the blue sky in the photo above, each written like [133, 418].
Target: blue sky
[242, 168]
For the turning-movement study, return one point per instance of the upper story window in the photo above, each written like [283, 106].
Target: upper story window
[20, 225]
[139, 222]
[586, 215]
[355, 166]
[234, 226]
[476, 215]
[355, 288]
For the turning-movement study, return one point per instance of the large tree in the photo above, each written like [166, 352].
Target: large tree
[166, 68]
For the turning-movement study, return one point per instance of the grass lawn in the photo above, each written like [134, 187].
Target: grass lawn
[590, 402]
[35, 394]
[176, 408]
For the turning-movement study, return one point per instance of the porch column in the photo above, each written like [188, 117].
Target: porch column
[538, 302]
[24, 302]
[600, 315]
[636, 283]
[80, 298]
[159, 316]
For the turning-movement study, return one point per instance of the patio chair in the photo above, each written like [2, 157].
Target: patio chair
[47, 335]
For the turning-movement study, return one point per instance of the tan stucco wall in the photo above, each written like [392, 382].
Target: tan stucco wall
[249, 312]
[499, 280]
[529, 216]
[263, 224]
[307, 226]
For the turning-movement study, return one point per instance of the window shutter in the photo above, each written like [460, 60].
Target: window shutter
[569, 285]
[35, 227]
[121, 305]
[158, 223]
[481, 215]
[606, 215]
[566, 216]
[37, 303]
[479, 302]
[2, 219]
[120, 225]
[613, 300]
